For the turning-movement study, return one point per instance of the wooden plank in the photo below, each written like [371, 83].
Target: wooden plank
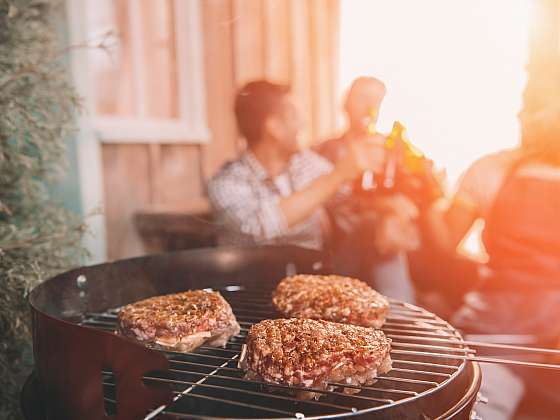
[248, 40]
[334, 25]
[159, 58]
[323, 38]
[318, 81]
[126, 190]
[218, 22]
[156, 186]
[277, 52]
[301, 69]
[179, 174]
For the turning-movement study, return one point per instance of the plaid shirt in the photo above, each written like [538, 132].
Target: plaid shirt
[245, 201]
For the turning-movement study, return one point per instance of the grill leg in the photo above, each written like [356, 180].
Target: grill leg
[504, 391]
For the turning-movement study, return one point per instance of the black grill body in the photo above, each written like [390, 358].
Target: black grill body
[85, 371]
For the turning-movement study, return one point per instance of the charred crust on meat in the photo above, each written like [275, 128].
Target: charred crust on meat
[179, 322]
[312, 354]
[332, 298]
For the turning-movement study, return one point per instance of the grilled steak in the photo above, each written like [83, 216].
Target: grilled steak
[332, 298]
[308, 353]
[180, 322]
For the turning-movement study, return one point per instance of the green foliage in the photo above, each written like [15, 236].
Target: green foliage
[37, 236]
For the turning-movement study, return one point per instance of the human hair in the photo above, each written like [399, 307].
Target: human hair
[254, 103]
[362, 81]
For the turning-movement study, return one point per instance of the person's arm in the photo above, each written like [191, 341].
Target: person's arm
[396, 225]
[301, 204]
[449, 221]
[238, 209]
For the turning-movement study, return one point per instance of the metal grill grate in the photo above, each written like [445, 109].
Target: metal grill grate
[427, 353]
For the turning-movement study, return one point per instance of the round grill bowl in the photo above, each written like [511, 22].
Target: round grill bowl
[85, 371]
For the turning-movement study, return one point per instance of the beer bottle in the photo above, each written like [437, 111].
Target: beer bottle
[406, 170]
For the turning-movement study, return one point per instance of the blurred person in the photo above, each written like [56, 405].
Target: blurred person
[517, 193]
[276, 193]
[372, 236]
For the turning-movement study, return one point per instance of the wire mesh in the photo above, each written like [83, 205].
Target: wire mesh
[427, 353]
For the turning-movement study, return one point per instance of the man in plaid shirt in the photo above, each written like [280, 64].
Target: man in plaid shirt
[276, 193]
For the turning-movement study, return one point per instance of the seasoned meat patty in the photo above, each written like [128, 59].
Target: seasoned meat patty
[181, 321]
[310, 354]
[332, 298]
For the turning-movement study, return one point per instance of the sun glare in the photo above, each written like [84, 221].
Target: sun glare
[454, 69]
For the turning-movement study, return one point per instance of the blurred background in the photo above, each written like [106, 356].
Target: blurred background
[158, 80]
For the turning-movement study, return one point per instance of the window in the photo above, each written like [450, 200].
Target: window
[146, 85]
[145, 82]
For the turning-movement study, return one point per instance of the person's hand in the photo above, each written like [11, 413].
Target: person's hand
[395, 228]
[365, 154]
[393, 235]
[397, 204]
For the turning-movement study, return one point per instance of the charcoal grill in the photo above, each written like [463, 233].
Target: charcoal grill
[85, 371]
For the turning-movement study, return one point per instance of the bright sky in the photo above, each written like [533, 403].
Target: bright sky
[454, 70]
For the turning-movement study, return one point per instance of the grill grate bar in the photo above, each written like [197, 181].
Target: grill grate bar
[261, 303]
[251, 312]
[416, 325]
[179, 415]
[555, 352]
[395, 315]
[407, 313]
[241, 404]
[478, 344]
[209, 356]
[406, 380]
[231, 369]
[481, 359]
[421, 372]
[182, 362]
[248, 392]
[370, 388]
[417, 319]
[287, 387]
[433, 365]
[432, 339]
[210, 373]
[244, 322]
[252, 300]
[429, 354]
[419, 332]
[243, 302]
[432, 347]
[186, 392]
[229, 343]
[395, 302]
[220, 349]
[251, 319]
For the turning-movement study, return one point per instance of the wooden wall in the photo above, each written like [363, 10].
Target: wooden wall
[289, 41]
